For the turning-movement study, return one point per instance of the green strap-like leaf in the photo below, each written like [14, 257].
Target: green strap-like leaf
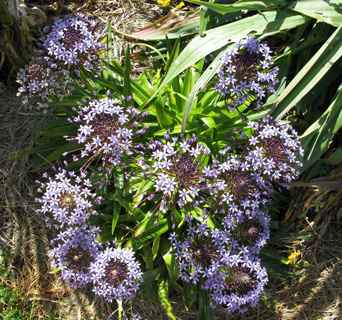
[163, 285]
[200, 84]
[316, 139]
[320, 10]
[227, 8]
[310, 74]
[266, 24]
[127, 75]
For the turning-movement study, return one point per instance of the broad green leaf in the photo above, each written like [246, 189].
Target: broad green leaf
[53, 124]
[266, 24]
[335, 158]
[189, 294]
[66, 147]
[264, 253]
[226, 8]
[205, 20]
[272, 268]
[150, 233]
[150, 276]
[316, 139]
[118, 197]
[318, 9]
[169, 259]
[60, 132]
[310, 74]
[163, 288]
[200, 84]
[146, 254]
[153, 48]
[155, 246]
[204, 312]
[127, 74]
[46, 146]
[290, 235]
[116, 213]
[110, 85]
[173, 55]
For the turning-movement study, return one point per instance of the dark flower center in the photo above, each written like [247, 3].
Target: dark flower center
[248, 231]
[203, 250]
[71, 36]
[273, 148]
[67, 201]
[240, 280]
[79, 258]
[238, 184]
[105, 126]
[246, 64]
[185, 170]
[116, 272]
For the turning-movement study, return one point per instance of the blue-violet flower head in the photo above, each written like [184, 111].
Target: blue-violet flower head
[40, 81]
[236, 283]
[245, 76]
[75, 249]
[108, 131]
[116, 274]
[67, 199]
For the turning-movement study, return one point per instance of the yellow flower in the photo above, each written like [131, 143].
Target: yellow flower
[165, 3]
[180, 5]
[170, 3]
[291, 258]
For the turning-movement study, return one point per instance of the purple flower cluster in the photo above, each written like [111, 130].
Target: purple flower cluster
[273, 150]
[116, 274]
[238, 184]
[74, 41]
[236, 282]
[177, 168]
[67, 201]
[74, 251]
[41, 80]
[238, 187]
[198, 250]
[245, 76]
[108, 131]
[70, 44]
[221, 198]
[247, 233]
[224, 260]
